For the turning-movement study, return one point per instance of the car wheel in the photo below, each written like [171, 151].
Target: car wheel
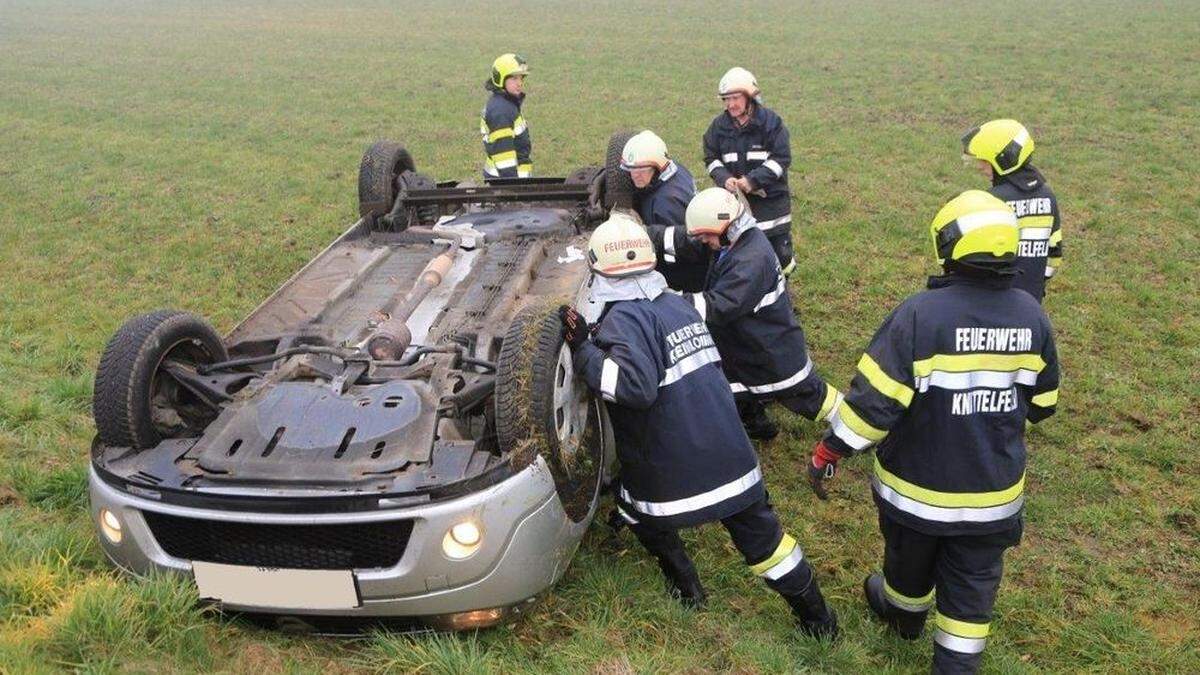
[618, 186]
[135, 402]
[541, 406]
[381, 165]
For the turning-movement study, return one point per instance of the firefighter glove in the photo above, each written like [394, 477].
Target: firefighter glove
[821, 468]
[575, 327]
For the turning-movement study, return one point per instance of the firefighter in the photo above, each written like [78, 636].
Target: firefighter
[945, 388]
[747, 150]
[746, 305]
[662, 189]
[1001, 150]
[506, 143]
[684, 457]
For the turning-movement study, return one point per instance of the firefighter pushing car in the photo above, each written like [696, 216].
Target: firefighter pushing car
[944, 390]
[685, 459]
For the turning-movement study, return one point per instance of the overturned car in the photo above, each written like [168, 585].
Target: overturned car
[395, 432]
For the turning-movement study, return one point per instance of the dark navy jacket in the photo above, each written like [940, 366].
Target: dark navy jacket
[685, 458]
[662, 205]
[945, 388]
[762, 152]
[1040, 248]
[506, 143]
[746, 305]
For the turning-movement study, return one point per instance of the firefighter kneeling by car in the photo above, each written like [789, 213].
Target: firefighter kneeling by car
[945, 388]
[685, 459]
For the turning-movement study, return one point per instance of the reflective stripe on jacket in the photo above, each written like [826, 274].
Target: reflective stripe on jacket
[685, 458]
[506, 142]
[944, 389]
[760, 151]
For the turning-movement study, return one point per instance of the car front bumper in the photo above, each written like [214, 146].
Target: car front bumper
[527, 543]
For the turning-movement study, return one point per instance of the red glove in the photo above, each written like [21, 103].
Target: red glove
[822, 468]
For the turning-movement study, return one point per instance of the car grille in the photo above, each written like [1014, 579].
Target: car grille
[309, 547]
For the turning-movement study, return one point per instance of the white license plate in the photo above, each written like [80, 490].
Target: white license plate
[272, 587]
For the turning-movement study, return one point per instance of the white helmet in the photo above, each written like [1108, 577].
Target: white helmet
[620, 247]
[712, 210]
[644, 149]
[737, 80]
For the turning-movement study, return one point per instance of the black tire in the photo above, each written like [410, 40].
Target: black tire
[526, 418]
[618, 186]
[381, 164]
[129, 380]
[582, 176]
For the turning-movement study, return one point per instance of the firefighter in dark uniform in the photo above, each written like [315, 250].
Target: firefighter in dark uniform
[746, 305]
[1001, 150]
[684, 457]
[662, 189]
[506, 143]
[747, 150]
[945, 388]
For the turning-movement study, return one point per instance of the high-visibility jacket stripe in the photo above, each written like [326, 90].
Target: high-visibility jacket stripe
[714, 165]
[770, 297]
[608, 379]
[690, 363]
[965, 629]
[1035, 234]
[961, 363]
[833, 398]
[883, 383]
[738, 387]
[976, 379]
[906, 602]
[860, 426]
[696, 502]
[940, 514]
[730, 157]
[1035, 221]
[948, 500]
[500, 133]
[786, 544]
[1056, 239]
[502, 156]
[768, 224]
[757, 155]
[959, 644]
[774, 167]
[1046, 399]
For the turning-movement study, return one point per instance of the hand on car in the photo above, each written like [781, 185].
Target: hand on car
[821, 468]
[575, 327]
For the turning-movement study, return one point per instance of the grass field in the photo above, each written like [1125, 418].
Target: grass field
[193, 155]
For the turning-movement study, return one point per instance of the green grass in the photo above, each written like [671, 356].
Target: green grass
[193, 155]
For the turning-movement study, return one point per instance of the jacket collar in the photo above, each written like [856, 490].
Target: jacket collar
[744, 223]
[516, 100]
[952, 279]
[646, 286]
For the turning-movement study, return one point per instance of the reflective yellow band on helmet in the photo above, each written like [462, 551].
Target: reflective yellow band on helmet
[1055, 238]
[1046, 399]
[1035, 221]
[949, 500]
[962, 363]
[964, 629]
[500, 133]
[858, 425]
[906, 602]
[883, 383]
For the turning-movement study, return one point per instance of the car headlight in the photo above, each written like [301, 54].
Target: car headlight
[462, 540]
[110, 525]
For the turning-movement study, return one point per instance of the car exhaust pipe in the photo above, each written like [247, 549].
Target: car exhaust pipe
[393, 337]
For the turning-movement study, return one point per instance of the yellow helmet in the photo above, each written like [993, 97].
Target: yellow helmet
[620, 247]
[645, 149]
[975, 227]
[712, 211]
[505, 66]
[1005, 144]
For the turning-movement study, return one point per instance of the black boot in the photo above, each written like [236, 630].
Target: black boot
[754, 418]
[682, 581]
[907, 625]
[815, 618]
